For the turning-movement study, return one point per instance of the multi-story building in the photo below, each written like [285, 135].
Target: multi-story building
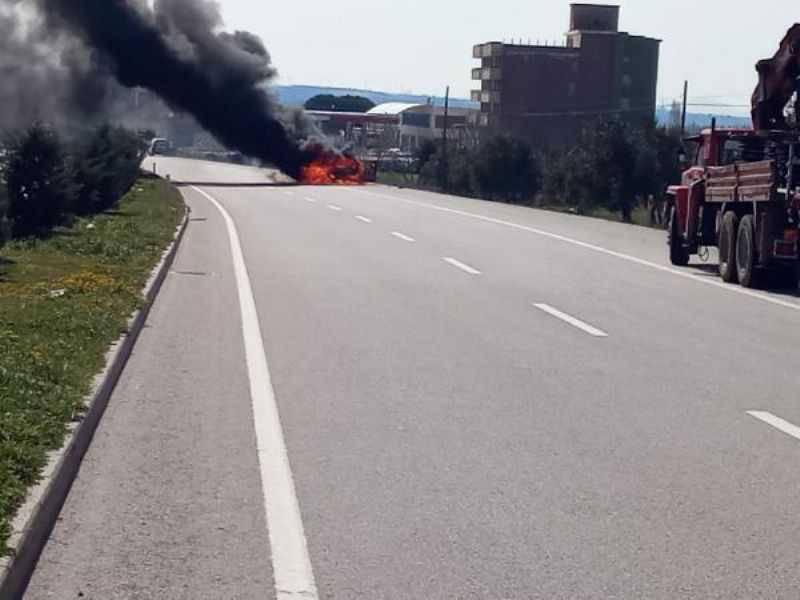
[548, 93]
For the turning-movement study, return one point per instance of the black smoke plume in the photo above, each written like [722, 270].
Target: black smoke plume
[177, 50]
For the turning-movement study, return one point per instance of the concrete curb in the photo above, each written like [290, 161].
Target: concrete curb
[31, 528]
[219, 184]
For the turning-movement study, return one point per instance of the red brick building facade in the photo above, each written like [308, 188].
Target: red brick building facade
[547, 94]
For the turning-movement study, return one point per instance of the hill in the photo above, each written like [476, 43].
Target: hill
[694, 120]
[297, 95]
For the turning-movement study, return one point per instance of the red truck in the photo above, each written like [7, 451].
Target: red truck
[742, 194]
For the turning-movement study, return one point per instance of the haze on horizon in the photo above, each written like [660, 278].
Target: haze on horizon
[418, 46]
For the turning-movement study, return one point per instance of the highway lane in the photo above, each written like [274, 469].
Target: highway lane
[454, 427]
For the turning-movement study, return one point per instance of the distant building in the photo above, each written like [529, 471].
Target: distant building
[420, 122]
[548, 93]
[393, 124]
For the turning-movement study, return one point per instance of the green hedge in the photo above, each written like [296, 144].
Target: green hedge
[49, 181]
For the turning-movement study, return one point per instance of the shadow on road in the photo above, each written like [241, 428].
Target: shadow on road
[769, 281]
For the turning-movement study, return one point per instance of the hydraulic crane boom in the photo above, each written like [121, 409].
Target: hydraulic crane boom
[778, 81]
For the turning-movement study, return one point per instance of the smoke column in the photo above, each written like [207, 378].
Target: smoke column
[176, 50]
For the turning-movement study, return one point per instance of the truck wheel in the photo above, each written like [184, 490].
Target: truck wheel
[678, 253]
[790, 276]
[727, 247]
[746, 252]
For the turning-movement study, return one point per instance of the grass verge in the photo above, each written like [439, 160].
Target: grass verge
[63, 302]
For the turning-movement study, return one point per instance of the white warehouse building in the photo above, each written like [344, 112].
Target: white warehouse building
[419, 122]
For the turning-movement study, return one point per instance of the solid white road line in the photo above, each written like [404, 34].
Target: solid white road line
[594, 248]
[403, 236]
[571, 320]
[776, 422]
[291, 564]
[363, 219]
[460, 265]
[334, 207]
[312, 200]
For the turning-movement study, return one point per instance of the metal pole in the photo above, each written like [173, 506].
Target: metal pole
[445, 157]
[683, 111]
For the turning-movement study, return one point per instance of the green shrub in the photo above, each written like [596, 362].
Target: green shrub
[613, 166]
[106, 167]
[5, 225]
[39, 180]
[506, 169]
[501, 169]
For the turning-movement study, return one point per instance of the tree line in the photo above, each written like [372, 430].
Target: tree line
[613, 166]
[46, 181]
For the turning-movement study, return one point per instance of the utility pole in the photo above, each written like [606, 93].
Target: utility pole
[445, 157]
[683, 111]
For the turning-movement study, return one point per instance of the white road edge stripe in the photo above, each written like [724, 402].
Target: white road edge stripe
[776, 422]
[314, 200]
[291, 563]
[571, 320]
[639, 261]
[403, 236]
[334, 207]
[460, 265]
[363, 219]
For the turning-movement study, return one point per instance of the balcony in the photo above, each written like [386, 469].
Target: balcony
[487, 50]
[485, 97]
[489, 74]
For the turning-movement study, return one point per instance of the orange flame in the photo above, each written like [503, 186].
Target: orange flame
[333, 169]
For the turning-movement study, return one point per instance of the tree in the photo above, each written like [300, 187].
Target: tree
[502, 169]
[39, 179]
[106, 167]
[506, 169]
[5, 226]
[614, 165]
[340, 103]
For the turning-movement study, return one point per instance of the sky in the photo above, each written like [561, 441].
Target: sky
[421, 46]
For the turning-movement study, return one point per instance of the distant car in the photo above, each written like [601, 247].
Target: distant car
[160, 146]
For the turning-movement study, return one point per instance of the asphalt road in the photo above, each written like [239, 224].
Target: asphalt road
[478, 401]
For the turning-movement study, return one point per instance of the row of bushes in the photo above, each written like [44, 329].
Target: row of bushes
[613, 166]
[502, 169]
[46, 181]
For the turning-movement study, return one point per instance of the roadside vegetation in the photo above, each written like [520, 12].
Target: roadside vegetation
[333, 103]
[614, 171]
[71, 275]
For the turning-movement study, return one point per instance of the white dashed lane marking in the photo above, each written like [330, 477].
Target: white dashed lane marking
[460, 265]
[776, 422]
[403, 236]
[585, 327]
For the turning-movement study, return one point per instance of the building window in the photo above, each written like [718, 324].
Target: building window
[571, 89]
[452, 121]
[625, 103]
[411, 119]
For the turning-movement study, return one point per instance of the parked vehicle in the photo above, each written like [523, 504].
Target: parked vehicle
[160, 146]
[742, 193]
